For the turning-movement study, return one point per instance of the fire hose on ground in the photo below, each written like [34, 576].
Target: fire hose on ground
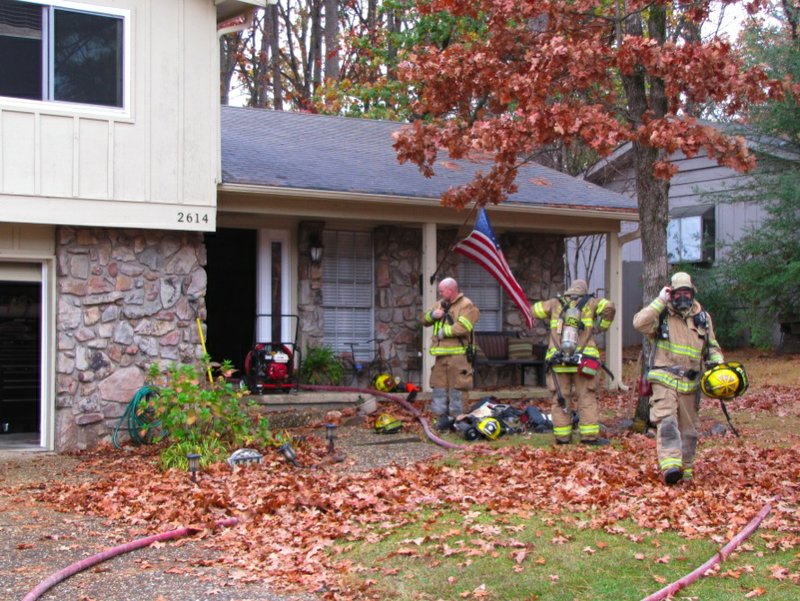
[404, 403]
[721, 555]
[49, 582]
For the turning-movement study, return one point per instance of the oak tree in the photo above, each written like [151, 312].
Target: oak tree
[580, 72]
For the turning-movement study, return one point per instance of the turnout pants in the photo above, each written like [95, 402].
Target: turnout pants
[450, 376]
[676, 418]
[580, 395]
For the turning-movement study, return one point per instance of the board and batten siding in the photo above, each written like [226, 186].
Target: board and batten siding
[152, 164]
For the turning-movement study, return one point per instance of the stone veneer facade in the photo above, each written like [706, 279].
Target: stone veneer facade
[126, 299]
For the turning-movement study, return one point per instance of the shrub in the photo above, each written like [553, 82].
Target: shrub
[196, 415]
[321, 365]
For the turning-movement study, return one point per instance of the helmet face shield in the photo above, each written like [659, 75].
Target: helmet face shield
[682, 299]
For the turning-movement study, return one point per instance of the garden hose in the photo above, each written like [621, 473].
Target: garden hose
[137, 420]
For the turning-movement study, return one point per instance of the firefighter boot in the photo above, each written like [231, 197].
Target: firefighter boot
[673, 475]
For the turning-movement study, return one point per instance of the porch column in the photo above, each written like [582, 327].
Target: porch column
[614, 286]
[428, 297]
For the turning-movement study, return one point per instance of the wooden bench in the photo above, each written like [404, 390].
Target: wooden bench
[500, 349]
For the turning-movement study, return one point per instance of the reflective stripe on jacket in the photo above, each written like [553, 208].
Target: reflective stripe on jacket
[456, 335]
[683, 351]
[596, 313]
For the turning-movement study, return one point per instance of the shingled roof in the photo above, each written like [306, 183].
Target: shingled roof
[338, 154]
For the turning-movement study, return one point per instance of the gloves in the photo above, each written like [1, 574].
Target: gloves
[664, 294]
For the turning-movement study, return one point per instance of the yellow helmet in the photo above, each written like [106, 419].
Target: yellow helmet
[387, 424]
[490, 428]
[385, 382]
[724, 381]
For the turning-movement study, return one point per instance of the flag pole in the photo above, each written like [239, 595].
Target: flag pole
[452, 244]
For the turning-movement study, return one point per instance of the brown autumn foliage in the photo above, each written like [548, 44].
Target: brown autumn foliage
[289, 518]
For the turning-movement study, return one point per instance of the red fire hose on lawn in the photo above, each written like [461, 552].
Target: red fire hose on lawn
[79, 566]
[721, 555]
[405, 403]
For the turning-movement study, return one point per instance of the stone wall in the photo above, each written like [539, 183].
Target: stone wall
[126, 299]
[398, 299]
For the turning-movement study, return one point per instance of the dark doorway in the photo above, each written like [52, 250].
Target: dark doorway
[20, 357]
[231, 294]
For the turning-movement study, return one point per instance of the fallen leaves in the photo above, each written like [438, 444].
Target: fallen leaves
[289, 517]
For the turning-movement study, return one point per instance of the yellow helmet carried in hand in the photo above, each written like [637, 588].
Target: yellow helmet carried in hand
[387, 424]
[490, 428]
[724, 381]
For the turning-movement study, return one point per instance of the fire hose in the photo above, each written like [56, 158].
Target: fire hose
[405, 403]
[721, 555]
[52, 580]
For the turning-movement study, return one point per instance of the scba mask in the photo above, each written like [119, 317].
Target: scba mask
[682, 299]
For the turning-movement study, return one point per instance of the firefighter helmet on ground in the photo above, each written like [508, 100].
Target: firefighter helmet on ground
[387, 424]
[385, 382]
[490, 428]
[724, 381]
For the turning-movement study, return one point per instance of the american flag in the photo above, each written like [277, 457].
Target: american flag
[482, 247]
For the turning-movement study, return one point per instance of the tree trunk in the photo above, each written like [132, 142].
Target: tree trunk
[652, 194]
[271, 29]
[332, 40]
[315, 47]
[229, 48]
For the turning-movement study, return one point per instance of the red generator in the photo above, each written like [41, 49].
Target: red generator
[270, 366]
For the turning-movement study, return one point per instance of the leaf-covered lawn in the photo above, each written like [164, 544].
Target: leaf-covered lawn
[320, 527]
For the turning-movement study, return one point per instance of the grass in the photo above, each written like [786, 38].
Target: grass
[544, 555]
[492, 557]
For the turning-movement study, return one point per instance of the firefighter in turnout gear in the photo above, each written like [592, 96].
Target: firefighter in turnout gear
[684, 341]
[573, 358]
[453, 319]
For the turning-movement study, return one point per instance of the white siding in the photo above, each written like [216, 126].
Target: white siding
[695, 177]
[139, 166]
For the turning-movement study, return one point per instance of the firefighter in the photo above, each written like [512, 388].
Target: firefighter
[573, 359]
[683, 337]
[453, 319]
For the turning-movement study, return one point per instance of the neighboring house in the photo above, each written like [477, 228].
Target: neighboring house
[699, 228]
[123, 228]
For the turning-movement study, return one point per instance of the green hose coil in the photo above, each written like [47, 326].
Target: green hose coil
[138, 419]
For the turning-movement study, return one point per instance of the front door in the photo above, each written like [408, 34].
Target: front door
[275, 324]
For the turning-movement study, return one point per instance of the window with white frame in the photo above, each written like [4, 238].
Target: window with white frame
[691, 235]
[347, 289]
[485, 293]
[62, 51]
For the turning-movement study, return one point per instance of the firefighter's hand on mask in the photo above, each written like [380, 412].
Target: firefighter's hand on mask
[437, 313]
[664, 294]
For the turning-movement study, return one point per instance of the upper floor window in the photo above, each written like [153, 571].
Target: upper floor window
[61, 51]
[691, 235]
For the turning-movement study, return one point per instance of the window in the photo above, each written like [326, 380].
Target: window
[690, 235]
[485, 292]
[56, 52]
[347, 288]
